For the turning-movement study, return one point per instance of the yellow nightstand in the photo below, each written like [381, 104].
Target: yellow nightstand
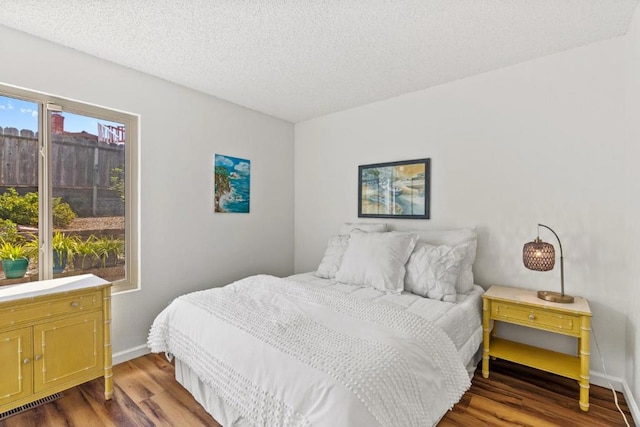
[523, 307]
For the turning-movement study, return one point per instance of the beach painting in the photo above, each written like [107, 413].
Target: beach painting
[395, 189]
[232, 181]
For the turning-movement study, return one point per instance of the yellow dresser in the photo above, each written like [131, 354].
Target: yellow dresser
[523, 307]
[54, 335]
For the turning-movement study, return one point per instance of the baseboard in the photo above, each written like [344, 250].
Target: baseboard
[619, 384]
[603, 380]
[631, 402]
[131, 353]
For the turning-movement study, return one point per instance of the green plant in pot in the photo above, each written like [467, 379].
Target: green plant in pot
[64, 248]
[85, 254]
[97, 252]
[108, 250]
[15, 259]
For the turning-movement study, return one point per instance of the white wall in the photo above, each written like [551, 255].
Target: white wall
[633, 206]
[184, 246]
[541, 141]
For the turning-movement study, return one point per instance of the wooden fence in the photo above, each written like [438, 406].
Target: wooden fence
[81, 167]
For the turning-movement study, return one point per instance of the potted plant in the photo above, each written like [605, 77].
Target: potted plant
[108, 249]
[15, 259]
[85, 254]
[63, 250]
[97, 252]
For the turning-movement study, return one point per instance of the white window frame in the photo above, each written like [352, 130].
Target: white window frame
[49, 103]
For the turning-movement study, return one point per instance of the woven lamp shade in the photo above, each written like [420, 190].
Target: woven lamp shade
[538, 255]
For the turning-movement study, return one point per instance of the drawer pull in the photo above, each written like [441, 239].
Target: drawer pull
[74, 304]
[26, 361]
[532, 317]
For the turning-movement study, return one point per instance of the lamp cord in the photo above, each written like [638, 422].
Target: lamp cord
[604, 369]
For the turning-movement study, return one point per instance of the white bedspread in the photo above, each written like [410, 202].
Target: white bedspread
[461, 321]
[287, 353]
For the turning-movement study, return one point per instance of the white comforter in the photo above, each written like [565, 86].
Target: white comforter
[286, 353]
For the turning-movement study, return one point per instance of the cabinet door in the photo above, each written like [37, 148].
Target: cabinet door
[16, 366]
[68, 350]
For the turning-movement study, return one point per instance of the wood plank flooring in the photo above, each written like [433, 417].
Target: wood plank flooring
[516, 395]
[146, 394]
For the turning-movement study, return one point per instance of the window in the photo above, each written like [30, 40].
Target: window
[68, 190]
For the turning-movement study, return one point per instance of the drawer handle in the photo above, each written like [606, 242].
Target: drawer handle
[26, 361]
[532, 317]
[74, 304]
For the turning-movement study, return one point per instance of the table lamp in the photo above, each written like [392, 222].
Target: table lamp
[541, 256]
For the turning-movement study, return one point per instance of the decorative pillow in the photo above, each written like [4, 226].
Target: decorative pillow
[332, 257]
[377, 260]
[463, 237]
[432, 271]
[348, 227]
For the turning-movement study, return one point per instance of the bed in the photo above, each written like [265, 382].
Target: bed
[307, 350]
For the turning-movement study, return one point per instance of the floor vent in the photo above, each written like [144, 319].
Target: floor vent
[30, 405]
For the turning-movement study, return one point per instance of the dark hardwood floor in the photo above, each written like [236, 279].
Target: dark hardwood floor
[146, 394]
[516, 395]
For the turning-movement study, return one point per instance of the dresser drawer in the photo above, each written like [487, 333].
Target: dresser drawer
[536, 318]
[32, 311]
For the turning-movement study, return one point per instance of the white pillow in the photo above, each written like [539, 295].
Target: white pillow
[348, 227]
[432, 271]
[463, 237]
[376, 260]
[332, 257]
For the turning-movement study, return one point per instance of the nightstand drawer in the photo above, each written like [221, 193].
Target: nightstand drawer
[536, 318]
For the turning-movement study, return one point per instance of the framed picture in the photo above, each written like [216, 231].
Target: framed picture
[232, 184]
[394, 190]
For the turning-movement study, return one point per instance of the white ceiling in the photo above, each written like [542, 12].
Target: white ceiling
[300, 59]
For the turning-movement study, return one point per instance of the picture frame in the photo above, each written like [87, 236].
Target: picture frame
[232, 184]
[395, 189]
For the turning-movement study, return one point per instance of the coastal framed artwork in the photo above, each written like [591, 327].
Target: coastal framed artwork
[395, 189]
[232, 184]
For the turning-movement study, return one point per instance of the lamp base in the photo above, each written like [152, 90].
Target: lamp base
[555, 297]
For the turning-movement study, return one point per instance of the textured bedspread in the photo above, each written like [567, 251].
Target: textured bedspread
[287, 353]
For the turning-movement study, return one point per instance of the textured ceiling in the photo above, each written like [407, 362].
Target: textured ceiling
[300, 59]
